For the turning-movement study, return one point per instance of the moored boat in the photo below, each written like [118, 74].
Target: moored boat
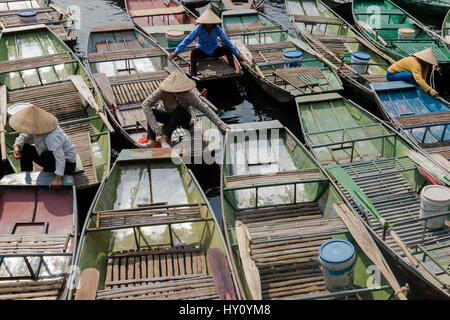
[356, 146]
[446, 29]
[341, 44]
[429, 7]
[38, 68]
[422, 118]
[264, 43]
[38, 236]
[168, 23]
[152, 234]
[396, 32]
[220, 6]
[19, 13]
[278, 208]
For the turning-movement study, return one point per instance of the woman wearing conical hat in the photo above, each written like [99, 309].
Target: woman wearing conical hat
[207, 32]
[414, 70]
[52, 149]
[178, 98]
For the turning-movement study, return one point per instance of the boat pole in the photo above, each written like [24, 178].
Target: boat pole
[3, 103]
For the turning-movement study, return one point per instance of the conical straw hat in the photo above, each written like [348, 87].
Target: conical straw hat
[177, 82]
[427, 55]
[208, 17]
[33, 120]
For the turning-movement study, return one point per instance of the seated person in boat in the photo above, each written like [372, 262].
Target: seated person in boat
[207, 33]
[414, 70]
[177, 96]
[52, 149]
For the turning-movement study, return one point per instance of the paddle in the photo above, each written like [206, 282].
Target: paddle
[105, 88]
[87, 289]
[83, 89]
[437, 172]
[3, 103]
[444, 163]
[357, 194]
[221, 274]
[242, 48]
[366, 26]
[368, 245]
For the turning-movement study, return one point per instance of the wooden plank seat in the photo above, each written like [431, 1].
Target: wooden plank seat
[300, 78]
[125, 54]
[15, 12]
[157, 75]
[445, 152]
[332, 38]
[157, 11]
[317, 20]
[61, 33]
[146, 216]
[270, 46]
[33, 243]
[261, 29]
[36, 92]
[293, 212]
[29, 289]
[35, 62]
[278, 177]
[424, 119]
[14, 20]
[374, 77]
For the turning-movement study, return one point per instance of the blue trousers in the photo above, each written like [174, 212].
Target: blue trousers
[401, 76]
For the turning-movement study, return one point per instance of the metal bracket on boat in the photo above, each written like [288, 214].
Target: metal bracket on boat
[386, 227]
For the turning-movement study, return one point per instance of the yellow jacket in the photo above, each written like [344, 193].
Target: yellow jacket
[413, 65]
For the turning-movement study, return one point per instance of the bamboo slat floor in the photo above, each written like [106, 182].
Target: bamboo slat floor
[39, 290]
[279, 177]
[125, 53]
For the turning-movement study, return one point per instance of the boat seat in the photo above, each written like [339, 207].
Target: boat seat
[125, 54]
[33, 243]
[157, 11]
[395, 26]
[259, 29]
[35, 62]
[379, 11]
[317, 20]
[270, 46]
[285, 213]
[147, 216]
[212, 68]
[302, 79]
[424, 119]
[29, 289]
[285, 177]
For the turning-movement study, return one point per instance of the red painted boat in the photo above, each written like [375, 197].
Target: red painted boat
[38, 236]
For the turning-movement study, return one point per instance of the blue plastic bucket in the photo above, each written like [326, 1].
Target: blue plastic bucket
[292, 58]
[174, 38]
[337, 258]
[27, 16]
[360, 62]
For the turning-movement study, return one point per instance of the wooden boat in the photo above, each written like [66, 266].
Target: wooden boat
[446, 29]
[38, 235]
[220, 6]
[428, 7]
[341, 134]
[128, 66]
[152, 234]
[385, 36]
[56, 18]
[331, 36]
[422, 118]
[278, 207]
[264, 41]
[37, 67]
[156, 17]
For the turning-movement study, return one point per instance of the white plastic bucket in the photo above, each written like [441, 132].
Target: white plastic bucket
[13, 109]
[27, 16]
[360, 62]
[337, 258]
[434, 200]
[406, 33]
[292, 58]
[174, 38]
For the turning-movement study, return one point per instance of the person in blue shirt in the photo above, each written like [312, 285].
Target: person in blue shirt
[207, 33]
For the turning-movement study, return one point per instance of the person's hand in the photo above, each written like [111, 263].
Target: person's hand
[17, 153]
[151, 143]
[57, 183]
[241, 58]
[173, 55]
[433, 92]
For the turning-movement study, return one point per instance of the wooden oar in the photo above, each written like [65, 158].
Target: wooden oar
[87, 289]
[242, 48]
[83, 89]
[366, 26]
[437, 172]
[3, 102]
[357, 194]
[105, 88]
[368, 245]
[221, 274]
[444, 163]
[250, 270]
[428, 30]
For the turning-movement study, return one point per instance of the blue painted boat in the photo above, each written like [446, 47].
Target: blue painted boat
[424, 119]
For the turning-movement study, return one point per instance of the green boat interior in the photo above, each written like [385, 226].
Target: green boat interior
[277, 194]
[35, 68]
[340, 132]
[151, 231]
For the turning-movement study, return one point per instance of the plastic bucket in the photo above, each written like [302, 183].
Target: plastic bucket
[406, 33]
[434, 200]
[14, 108]
[360, 62]
[292, 59]
[337, 258]
[174, 38]
[27, 16]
